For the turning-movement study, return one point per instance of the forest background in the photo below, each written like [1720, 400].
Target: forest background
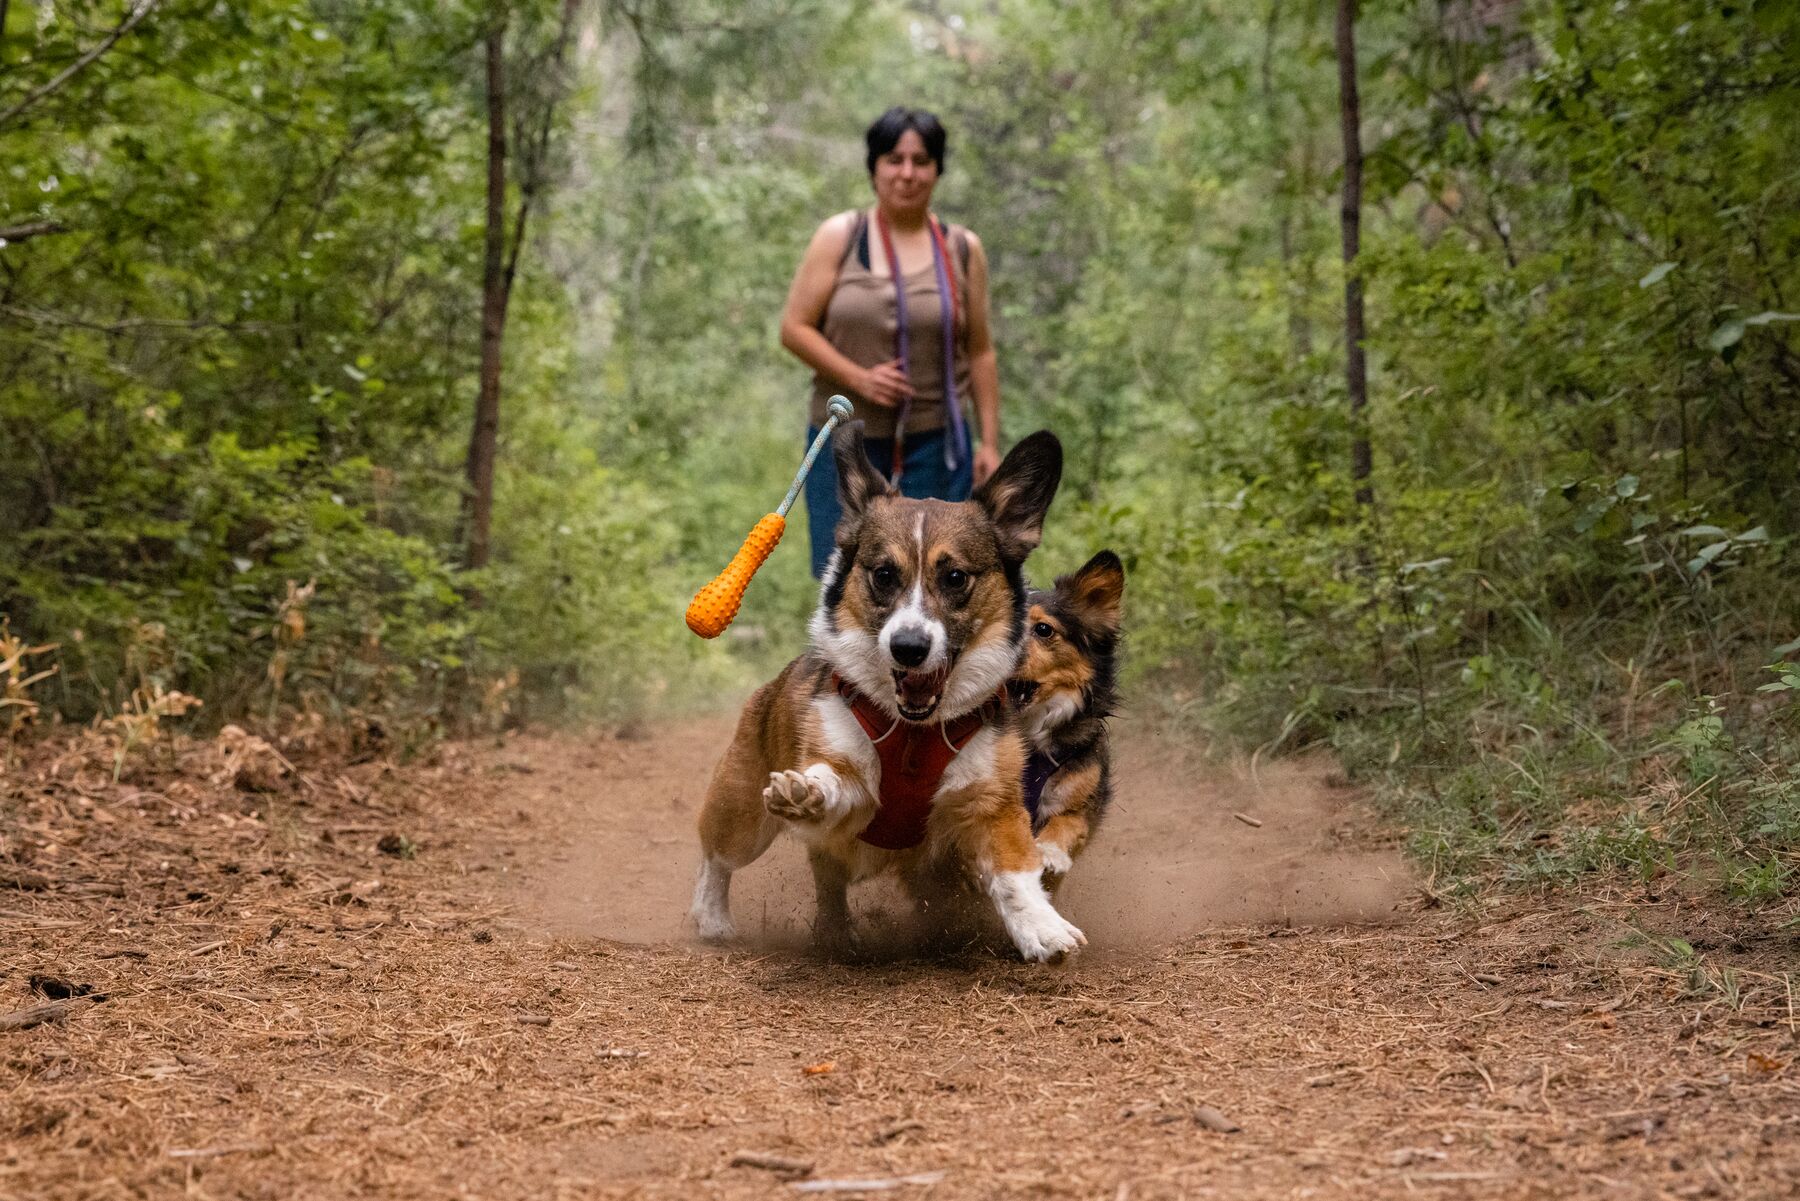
[257, 281]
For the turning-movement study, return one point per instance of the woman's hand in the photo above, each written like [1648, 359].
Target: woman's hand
[885, 384]
[986, 462]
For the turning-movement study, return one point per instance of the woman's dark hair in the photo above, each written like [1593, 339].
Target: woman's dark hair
[892, 125]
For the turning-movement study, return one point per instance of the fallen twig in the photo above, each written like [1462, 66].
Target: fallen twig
[19, 877]
[876, 1185]
[771, 1163]
[1248, 820]
[215, 1152]
[889, 1133]
[38, 1015]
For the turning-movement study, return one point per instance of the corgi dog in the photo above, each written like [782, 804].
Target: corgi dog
[890, 744]
[1064, 690]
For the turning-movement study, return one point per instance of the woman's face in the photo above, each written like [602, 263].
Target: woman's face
[905, 175]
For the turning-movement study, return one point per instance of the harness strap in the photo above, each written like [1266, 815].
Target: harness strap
[913, 760]
[1039, 767]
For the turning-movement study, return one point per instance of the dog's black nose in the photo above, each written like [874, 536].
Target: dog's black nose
[910, 647]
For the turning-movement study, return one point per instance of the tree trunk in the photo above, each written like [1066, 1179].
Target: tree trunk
[1356, 372]
[478, 500]
[501, 264]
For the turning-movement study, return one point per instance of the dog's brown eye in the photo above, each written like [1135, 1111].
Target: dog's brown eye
[885, 577]
[1044, 630]
[956, 580]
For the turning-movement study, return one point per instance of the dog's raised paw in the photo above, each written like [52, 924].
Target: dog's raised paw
[795, 796]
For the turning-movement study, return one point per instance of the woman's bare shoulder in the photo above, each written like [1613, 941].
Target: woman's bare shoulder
[834, 231]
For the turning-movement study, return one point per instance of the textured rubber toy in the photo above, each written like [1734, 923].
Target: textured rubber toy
[715, 605]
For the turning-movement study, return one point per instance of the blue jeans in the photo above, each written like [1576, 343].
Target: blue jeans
[924, 475]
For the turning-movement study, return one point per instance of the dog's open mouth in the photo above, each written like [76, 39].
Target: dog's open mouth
[1021, 691]
[917, 693]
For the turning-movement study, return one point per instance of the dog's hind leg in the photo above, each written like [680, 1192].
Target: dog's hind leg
[735, 829]
[832, 934]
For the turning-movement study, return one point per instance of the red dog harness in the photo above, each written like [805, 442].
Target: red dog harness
[913, 760]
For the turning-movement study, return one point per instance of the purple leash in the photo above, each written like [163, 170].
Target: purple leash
[947, 313]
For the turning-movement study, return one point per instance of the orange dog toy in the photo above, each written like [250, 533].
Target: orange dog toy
[715, 605]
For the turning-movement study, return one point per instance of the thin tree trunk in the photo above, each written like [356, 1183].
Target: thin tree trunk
[501, 264]
[1356, 372]
[478, 499]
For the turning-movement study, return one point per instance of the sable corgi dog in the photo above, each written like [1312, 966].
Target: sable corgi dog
[1065, 692]
[889, 744]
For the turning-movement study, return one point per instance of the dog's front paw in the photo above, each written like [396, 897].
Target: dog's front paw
[796, 797]
[1056, 860]
[1046, 937]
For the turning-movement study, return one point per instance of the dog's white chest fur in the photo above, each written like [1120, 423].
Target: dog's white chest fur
[1040, 719]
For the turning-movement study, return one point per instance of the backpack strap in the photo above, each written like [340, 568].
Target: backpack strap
[857, 243]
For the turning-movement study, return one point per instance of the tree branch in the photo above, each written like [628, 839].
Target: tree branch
[31, 229]
[140, 10]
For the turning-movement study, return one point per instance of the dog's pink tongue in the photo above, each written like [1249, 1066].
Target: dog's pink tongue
[920, 688]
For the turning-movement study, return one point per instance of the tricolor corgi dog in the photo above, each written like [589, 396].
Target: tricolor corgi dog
[1065, 692]
[890, 744]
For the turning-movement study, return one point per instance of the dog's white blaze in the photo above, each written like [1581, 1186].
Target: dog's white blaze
[1042, 718]
[913, 616]
[973, 764]
[843, 736]
[979, 673]
[1034, 925]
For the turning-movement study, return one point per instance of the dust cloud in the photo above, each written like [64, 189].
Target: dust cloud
[618, 851]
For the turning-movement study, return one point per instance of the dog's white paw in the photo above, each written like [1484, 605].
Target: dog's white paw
[1046, 937]
[796, 796]
[714, 926]
[1036, 928]
[711, 910]
[1056, 860]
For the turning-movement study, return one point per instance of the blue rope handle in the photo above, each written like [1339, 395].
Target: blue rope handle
[839, 408]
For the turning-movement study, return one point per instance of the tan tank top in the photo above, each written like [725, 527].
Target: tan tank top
[859, 322]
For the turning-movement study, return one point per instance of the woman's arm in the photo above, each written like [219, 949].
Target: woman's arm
[883, 384]
[984, 365]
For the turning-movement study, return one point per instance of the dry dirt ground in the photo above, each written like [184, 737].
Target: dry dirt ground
[503, 1003]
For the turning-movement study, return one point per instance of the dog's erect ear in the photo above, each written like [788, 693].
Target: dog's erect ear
[858, 481]
[1097, 591]
[1018, 495]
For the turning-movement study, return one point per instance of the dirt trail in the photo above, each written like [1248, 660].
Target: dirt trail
[1171, 860]
[514, 1011]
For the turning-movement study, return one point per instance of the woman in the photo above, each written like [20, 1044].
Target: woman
[844, 320]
